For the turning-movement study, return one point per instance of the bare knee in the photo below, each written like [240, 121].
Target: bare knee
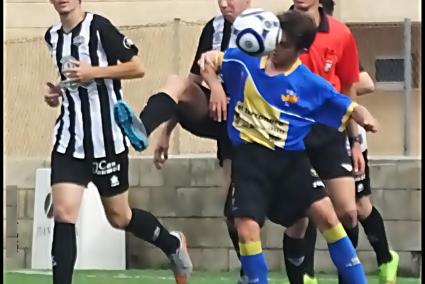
[248, 230]
[298, 229]
[348, 217]
[364, 207]
[64, 213]
[118, 219]
[323, 214]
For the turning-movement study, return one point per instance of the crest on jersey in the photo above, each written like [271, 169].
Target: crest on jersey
[328, 65]
[128, 43]
[78, 40]
[290, 97]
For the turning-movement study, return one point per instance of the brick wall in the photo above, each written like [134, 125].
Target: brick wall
[187, 195]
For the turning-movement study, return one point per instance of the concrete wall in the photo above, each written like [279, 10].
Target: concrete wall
[187, 195]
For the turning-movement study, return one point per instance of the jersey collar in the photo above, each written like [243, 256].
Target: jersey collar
[324, 22]
[297, 63]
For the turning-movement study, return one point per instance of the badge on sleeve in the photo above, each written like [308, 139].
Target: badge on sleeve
[128, 43]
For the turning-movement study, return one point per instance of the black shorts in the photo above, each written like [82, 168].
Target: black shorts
[279, 185]
[211, 129]
[110, 175]
[363, 182]
[326, 149]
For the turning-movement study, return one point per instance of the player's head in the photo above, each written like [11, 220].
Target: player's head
[328, 6]
[298, 33]
[233, 8]
[305, 5]
[64, 7]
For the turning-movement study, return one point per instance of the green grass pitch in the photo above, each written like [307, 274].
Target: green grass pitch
[160, 277]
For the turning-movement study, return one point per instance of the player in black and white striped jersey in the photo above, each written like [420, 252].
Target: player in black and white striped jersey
[92, 56]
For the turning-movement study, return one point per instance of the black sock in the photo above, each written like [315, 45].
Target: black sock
[294, 255]
[374, 228]
[147, 227]
[353, 235]
[160, 108]
[64, 252]
[310, 247]
[233, 234]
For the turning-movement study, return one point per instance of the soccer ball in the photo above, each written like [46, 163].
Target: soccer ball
[257, 32]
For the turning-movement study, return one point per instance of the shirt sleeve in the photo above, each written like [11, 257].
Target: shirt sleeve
[204, 45]
[335, 110]
[116, 45]
[347, 68]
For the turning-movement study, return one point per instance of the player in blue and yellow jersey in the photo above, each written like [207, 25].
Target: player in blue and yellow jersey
[274, 101]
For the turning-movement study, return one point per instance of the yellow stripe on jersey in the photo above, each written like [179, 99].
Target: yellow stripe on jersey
[258, 121]
[334, 234]
[251, 248]
[347, 115]
[263, 62]
[219, 60]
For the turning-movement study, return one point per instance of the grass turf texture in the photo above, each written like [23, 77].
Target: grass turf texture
[160, 277]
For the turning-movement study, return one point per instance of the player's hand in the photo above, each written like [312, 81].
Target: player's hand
[218, 103]
[82, 72]
[54, 93]
[161, 150]
[358, 159]
[371, 125]
[208, 58]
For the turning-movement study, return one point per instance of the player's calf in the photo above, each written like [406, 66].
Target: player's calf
[341, 249]
[254, 263]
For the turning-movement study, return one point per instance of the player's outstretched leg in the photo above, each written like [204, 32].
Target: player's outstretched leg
[177, 92]
[341, 249]
[146, 226]
[254, 263]
[374, 227]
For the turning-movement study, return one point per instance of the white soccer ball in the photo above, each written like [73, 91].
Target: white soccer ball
[256, 32]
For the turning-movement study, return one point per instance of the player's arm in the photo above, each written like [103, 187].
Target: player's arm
[347, 70]
[118, 48]
[54, 92]
[365, 85]
[210, 63]
[336, 110]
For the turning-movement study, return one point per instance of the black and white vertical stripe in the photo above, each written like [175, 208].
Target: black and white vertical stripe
[86, 127]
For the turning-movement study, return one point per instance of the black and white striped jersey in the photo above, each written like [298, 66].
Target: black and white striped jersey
[215, 36]
[86, 127]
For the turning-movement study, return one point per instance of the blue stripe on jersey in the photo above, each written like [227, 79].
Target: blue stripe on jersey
[277, 111]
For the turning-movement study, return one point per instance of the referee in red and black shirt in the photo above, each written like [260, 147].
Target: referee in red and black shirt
[333, 56]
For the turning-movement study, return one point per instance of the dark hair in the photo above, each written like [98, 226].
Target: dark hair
[328, 6]
[299, 28]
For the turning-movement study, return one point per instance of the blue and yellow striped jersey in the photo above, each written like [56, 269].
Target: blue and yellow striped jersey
[277, 111]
